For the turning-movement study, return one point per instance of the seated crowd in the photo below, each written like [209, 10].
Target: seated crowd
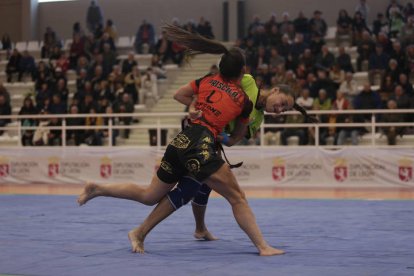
[104, 83]
[287, 51]
[294, 52]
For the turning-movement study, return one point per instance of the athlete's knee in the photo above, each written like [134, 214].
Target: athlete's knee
[237, 196]
[149, 198]
[201, 198]
[186, 189]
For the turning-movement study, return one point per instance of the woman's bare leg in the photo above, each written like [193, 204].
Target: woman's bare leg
[224, 183]
[137, 235]
[149, 195]
[201, 232]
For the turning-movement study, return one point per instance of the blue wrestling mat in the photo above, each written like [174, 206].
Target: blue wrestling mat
[50, 235]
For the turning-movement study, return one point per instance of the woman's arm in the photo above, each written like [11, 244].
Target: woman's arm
[238, 133]
[184, 95]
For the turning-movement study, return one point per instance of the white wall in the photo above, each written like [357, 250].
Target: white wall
[128, 14]
[11, 18]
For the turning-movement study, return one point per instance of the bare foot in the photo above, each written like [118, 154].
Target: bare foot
[270, 251]
[204, 235]
[89, 192]
[137, 242]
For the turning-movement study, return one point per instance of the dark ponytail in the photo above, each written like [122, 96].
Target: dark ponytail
[232, 61]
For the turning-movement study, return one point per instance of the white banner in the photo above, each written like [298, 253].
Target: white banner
[267, 167]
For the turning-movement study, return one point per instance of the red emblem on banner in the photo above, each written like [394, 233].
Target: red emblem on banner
[341, 173]
[106, 170]
[53, 170]
[278, 172]
[405, 173]
[4, 170]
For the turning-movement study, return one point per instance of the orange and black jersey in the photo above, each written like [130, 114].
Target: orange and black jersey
[221, 102]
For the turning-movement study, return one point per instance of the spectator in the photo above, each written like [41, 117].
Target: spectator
[13, 66]
[110, 29]
[392, 8]
[106, 39]
[129, 63]
[74, 136]
[284, 48]
[380, 24]
[305, 100]
[325, 83]
[307, 59]
[391, 132]
[398, 54]
[94, 17]
[322, 102]
[4, 92]
[299, 45]
[41, 134]
[284, 24]
[42, 96]
[408, 10]
[87, 104]
[156, 66]
[363, 8]
[366, 99]
[359, 27]
[57, 106]
[260, 58]
[393, 70]
[63, 91]
[5, 109]
[77, 49]
[6, 42]
[133, 85]
[115, 132]
[260, 37]
[274, 37]
[275, 60]
[28, 108]
[365, 49]
[63, 62]
[317, 24]
[386, 89]
[402, 99]
[344, 60]
[325, 59]
[204, 28]
[149, 84]
[270, 23]
[406, 85]
[301, 24]
[343, 24]
[407, 32]
[316, 43]
[409, 60]
[55, 135]
[385, 42]
[396, 24]
[349, 87]
[27, 65]
[289, 132]
[145, 37]
[256, 23]
[77, 30]
[93, 136]
[125, 106]
[109, 59]
[50, 41]
[342, 133]
[336, 75]
[378, 62]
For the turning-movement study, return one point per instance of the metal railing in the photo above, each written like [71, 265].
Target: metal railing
[110, 126]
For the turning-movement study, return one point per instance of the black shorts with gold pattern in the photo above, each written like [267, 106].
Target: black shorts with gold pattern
[192, 152]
